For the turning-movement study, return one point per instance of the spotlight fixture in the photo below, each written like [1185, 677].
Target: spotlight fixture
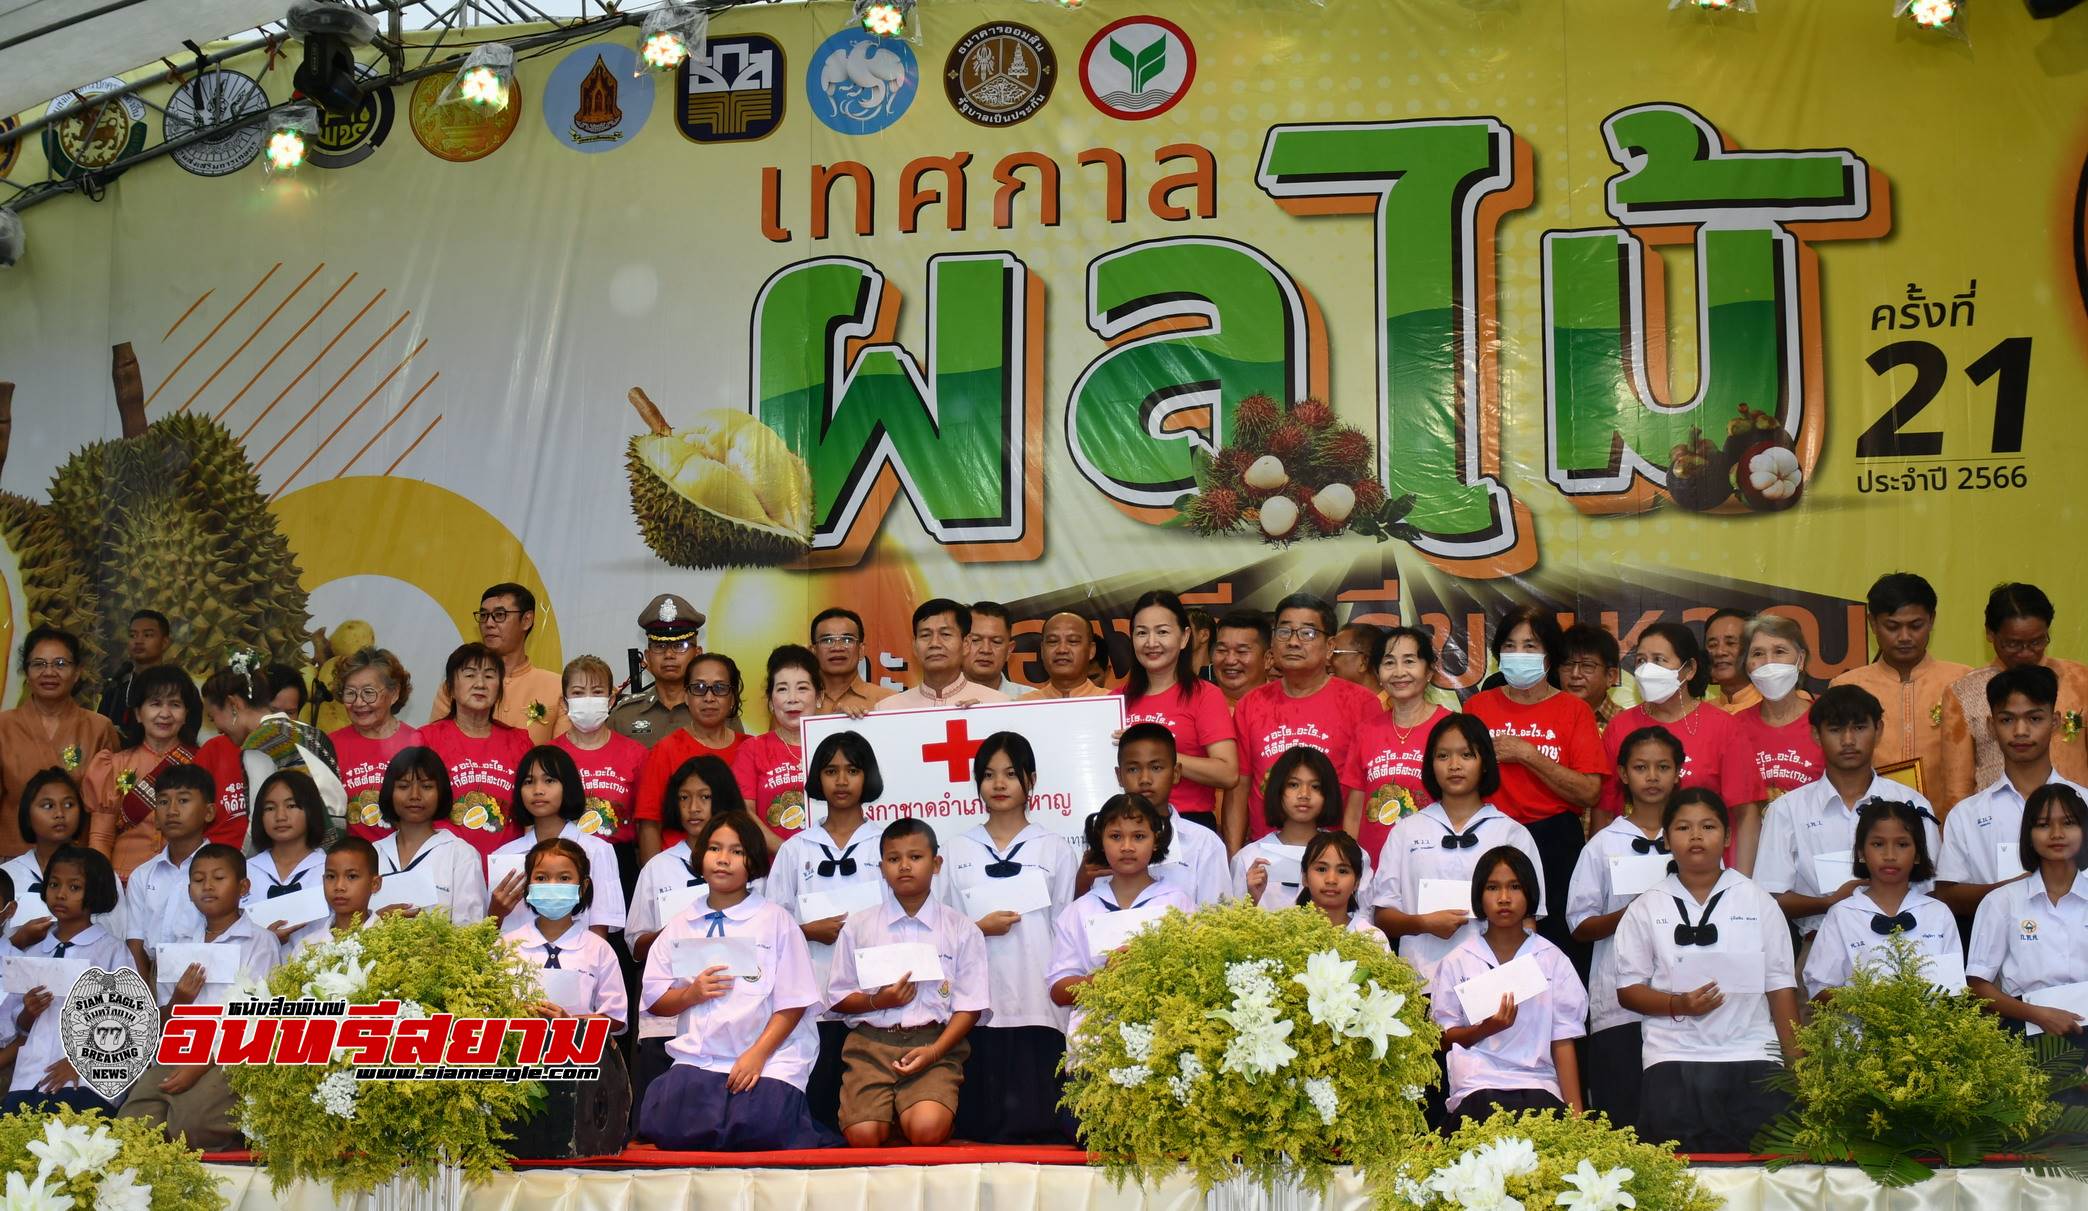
[331, 32]
[1715, 6]
[885, 18]
[1932, 14]
[288, 139]
[486, 79]
[672, 35]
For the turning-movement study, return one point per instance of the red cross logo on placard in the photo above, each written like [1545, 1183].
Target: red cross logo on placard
[956, 749]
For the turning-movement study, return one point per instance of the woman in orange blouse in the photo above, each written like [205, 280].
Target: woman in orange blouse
[165, 712]
[48, 729]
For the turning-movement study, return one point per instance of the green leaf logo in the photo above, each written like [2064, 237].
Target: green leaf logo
[1144, 65]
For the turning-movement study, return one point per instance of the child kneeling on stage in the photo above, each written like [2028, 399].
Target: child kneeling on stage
[904, 1059]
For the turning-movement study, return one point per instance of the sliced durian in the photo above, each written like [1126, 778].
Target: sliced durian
[723, 491]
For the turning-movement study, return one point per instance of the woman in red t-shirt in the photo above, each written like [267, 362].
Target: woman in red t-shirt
[1163, 688]
[480, 752]
[714, 702]
[608, 761]
[1390, 747]
[1773, 734]
[373, 687]
[770, 768]
[1552, 764]
[1672, 674]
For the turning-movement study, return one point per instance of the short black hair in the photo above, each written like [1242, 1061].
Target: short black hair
[1020, 755]
[47, 633]
[831, 613]
[712, 770]
[152, 682]
[936, 606]
[1845, 706]
[1696, 796]
[555, 761]
[791, 656]
[989, 609]
[465, 655]
[349, 843]
[1424, 644]
[2016, 600]
[218, 851]
[753, 842]
[1128, 807]
[1688, 649]
[1346, 847]
[1726, 612]
[1244, 620]
[1872, 810]
[1308, 601]
[908, 826]
[305, 793]
[95, 871]
[2033, 681]
[1519, 865]
[415, 759]
[1651, 734]
[282, 677]
[7, 888]
[525, 601]
[1316, 763]
[1149, 732]
[190, 777]
[1895, 591]
[33, 787]
[857, 750]
[154, 616]
[732, 677]
[1473, 729]
[2059, 797]
[1587, 639]
[569, 850]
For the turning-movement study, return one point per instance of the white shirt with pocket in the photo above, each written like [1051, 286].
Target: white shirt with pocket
[1809, 838]
[1414, 851]
[1619, 855]
[2023, 943]
[1519, 1057]
[1750, 959]
[1017, 960]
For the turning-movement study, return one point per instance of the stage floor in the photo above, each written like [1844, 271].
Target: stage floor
[1058, 1179]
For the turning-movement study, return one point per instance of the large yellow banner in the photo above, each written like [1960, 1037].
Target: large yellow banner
[1423, 306]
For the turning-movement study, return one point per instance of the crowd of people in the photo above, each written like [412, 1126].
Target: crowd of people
[1689, 851]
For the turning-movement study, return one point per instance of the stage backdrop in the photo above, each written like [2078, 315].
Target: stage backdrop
[1632, 311]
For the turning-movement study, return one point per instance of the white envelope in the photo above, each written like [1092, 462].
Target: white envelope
[2071, 997]
[881, 966]
[1286, 870]
[694, 956]
[1113, 929]
[500, 866]
[26, 973]
[1631, 874]
[220, 961]
[1830, 871]
[2008, 860]
[1024, 892]
[28, 907]
[413, 888]
[1946, 971]
[672, 902]
[1436, 895]
[301, 907]
[839, 900]
[565, 989]
[1737, 973]
[1519, 977]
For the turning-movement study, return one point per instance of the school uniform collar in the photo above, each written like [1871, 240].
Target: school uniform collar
[1105, 890]
[1623, 827]
[86, 937]
[979, 834]
[818, 835]
[2003, 789]
[1727, 878]
[433, 845]
[530, 937]
[890, 914]
[311, 863]
[1477, 946]
[2031, 890]
[240, 930]
[161, 860]
[1913, 903]
[740, 912]
[679, 851]
[1487, 811]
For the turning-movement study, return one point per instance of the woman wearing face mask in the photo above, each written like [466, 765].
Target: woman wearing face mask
[1552, 762]
[1672, 674]
[1773, 739]
[608, 762]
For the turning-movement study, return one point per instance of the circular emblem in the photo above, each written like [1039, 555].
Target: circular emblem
[346, 139]
[479, 812]
[1000, 74]
[460, 133]
[598, 819]
[787, 810]
[1138, 67]
[2029, 926]
[209, 100]
[363, 810]
[11, 150]
[596, 99]
[1391, 804]
[98, 135]
[110, 1029]
[860, 83]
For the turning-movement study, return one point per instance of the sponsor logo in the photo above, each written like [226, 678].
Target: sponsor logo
[209, 100]
[860, 84]
[737, 95]
[110, 1029]
[11, 150]
[1138, 68]
[347, 139]
[596, 99]
[456, 132]
[98, 135]
[1000, 74]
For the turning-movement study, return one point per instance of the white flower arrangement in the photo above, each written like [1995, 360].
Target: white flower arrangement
[336, 1093]
[85, 1161]
[1538, 1160]
[1324, 1099]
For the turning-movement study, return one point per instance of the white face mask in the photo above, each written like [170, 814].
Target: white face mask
[587, 714]
[1657, 684]
[1776, 681]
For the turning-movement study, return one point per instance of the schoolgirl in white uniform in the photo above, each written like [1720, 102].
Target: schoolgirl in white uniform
[1334, 867]
[288, 838]
[549, 800]
[2031, 935]
[1301, 798]
[1892, 857]
[415, 794]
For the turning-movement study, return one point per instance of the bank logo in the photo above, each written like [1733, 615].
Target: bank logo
[736, 95]
[98, 135]
[350, 138]
[110, 1029]
[209, 100]
[860, 84]
[1138, 68]
[458, 132]
[596, 99]
[1000, 74]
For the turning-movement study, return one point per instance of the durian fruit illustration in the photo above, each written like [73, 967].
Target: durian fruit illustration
[724, 491]
[170, 517]
[41, 580]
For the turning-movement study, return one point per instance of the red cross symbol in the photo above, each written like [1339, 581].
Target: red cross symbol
[956, 749]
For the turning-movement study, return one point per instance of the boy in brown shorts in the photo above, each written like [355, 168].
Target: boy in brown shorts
[904, 1059]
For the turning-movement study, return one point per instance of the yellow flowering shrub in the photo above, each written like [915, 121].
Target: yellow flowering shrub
[1542, 1158]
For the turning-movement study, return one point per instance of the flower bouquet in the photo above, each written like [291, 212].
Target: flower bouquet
[1894, 1070]
[319, 1122]
[1542, 1158]
[72, 1159]
[1246, 1044]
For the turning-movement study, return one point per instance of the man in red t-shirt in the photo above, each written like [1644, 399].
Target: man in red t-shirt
[1307, 705]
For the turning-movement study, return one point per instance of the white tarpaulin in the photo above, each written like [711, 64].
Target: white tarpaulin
[49, 46]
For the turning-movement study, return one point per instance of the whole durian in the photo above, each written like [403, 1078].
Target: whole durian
[35, 556]
[724, 491]
[170, 517]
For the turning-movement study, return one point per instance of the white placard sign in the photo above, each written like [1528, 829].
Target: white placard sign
[925, 758]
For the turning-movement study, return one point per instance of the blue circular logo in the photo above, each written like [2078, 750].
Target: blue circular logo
[859, 83]
[597, 99]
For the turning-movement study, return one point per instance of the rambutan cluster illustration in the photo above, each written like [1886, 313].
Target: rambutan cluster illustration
[1289, 473]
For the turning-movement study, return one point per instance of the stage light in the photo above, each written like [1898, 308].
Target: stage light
[885, 18]
[1932, 14]
[664, 51]
[331, 32]
[486, 79]
[288, 139]
[1070, 4]
[672, 35]
[1715, 6]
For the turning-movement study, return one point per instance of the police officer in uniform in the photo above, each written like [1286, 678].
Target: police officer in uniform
[671, 625]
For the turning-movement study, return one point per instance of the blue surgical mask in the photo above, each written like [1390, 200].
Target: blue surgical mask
[554, 900]
[1522, 669]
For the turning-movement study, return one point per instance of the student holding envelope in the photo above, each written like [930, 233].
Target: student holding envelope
[289, 837]
[419, 865]
[1892, 859]
[78, 883]
[1509, 1003]
[2029, 953]
[1301, 797]
[51, 815]
[1012, 879]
